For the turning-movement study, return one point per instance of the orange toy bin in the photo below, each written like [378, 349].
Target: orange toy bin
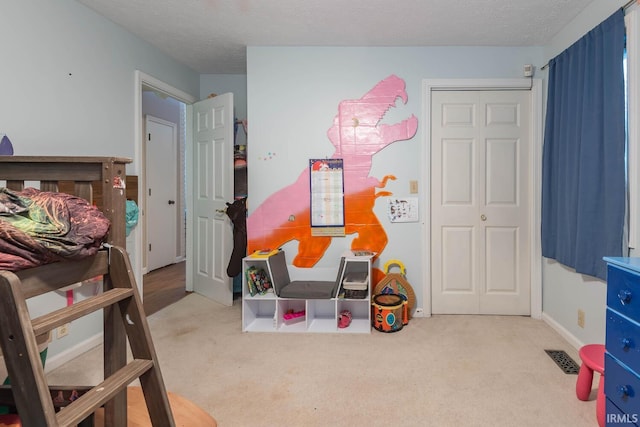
[389, 312]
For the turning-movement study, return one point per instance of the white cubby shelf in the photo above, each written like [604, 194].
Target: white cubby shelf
[265, 312]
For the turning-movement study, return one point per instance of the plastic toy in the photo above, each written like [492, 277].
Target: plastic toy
[344, 320]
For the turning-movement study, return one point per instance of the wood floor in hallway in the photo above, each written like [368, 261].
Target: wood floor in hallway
[164, 286]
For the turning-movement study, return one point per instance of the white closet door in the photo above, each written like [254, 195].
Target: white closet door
[480, 202]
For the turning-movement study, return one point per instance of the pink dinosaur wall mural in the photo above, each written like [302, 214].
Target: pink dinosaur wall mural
[357, 136]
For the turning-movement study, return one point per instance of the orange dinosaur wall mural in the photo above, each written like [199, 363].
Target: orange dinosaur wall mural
[357, 135]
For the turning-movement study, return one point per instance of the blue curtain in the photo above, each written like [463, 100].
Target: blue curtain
[583, 164]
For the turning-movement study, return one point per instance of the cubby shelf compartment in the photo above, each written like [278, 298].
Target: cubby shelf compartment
[265, 313]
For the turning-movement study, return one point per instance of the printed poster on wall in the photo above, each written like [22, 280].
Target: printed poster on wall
[327, 197]
[403, 210]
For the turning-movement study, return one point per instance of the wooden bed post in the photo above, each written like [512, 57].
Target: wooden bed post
[115, 340]
[113, 199]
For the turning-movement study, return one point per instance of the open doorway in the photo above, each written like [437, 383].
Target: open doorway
[164, 196]
[209, 187]
[164, 234]
[166, 106]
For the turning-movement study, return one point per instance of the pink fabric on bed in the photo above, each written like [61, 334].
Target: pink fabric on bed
[39, 227]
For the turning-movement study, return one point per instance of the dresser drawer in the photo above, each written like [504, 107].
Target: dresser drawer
[621, 386]
[623, 292]
[623, 339]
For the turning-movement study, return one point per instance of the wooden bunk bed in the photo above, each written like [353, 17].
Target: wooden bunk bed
[100, 180]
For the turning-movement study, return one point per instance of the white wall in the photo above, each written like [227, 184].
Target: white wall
[76, 70]
[68, 89]
[293, 94]
[564, 291]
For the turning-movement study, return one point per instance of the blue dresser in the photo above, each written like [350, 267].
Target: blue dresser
[622, 358]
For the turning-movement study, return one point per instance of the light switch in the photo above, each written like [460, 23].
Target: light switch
[413, 187]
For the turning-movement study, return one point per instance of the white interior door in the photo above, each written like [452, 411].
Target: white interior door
[210, 186]
[480, 202]
[161, 147]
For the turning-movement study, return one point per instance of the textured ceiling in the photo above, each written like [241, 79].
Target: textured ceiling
[211, 36]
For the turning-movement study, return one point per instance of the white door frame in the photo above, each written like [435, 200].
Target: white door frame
[535, 167]
[137, 166]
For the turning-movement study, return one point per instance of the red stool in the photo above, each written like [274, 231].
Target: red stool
[592, 356]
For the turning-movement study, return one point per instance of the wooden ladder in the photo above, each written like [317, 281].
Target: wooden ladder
[123, 318]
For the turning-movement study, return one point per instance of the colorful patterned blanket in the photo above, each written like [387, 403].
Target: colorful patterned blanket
[40, 227]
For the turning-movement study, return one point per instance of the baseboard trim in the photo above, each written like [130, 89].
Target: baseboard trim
[575, 342]
[73, 352]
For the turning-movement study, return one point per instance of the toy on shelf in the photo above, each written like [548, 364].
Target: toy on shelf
[362, 252]
[264, 253]
[344, 320]
[355, 285]
[291, 317]
[258, 281]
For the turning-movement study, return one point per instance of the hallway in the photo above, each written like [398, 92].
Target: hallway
[164, 286]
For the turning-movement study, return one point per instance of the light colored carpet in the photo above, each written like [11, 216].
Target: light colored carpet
[440, 371]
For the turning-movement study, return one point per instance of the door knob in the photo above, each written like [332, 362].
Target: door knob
[483, 217]
[172, 202]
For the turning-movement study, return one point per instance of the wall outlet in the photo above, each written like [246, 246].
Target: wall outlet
[62, 331]
[581, 318]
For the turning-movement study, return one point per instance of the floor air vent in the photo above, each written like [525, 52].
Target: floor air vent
[564, 361]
